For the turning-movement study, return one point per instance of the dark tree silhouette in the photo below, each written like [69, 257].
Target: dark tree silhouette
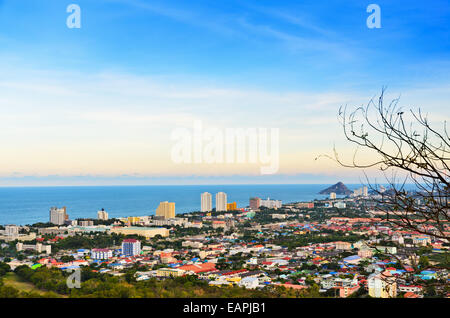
[414, 152]
[407, 150]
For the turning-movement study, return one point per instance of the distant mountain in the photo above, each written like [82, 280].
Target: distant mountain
[338, 188]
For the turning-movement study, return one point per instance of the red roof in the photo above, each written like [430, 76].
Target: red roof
[234, 272]
[199, 268]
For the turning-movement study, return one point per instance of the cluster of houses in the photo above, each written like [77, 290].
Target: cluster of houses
[339, 268]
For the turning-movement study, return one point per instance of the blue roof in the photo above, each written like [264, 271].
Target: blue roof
[352, 257]
[71, 267]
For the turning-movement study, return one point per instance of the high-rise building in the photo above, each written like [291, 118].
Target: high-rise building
[333, 195]
[102, 215]
[58, 216]
[131, 247]
[206, 202]
[221, 201]
[365, 191]
[255, 203]
[231, 206]
[166, 210]
[271, 204]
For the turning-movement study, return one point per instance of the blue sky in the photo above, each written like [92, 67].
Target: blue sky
[269, 55]
[314, 44]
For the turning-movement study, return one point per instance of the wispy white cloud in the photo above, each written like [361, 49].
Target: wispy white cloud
[115, 123]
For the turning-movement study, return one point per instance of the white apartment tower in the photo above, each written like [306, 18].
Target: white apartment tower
[58, 216]
[102, 215]
[271, 204]
[206, 202]
[221, 201]
[365, 191]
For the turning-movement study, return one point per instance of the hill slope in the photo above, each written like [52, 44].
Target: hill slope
[338, 188]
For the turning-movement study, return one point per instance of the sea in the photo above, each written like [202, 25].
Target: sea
[29, 205]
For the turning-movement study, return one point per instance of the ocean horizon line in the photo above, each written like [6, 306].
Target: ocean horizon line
[183, 185]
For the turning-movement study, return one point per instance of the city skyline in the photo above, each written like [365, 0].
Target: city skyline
[218, 157]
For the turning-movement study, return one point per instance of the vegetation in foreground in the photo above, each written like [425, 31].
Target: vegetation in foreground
[25, 282]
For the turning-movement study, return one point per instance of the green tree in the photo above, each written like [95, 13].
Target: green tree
[424, 262]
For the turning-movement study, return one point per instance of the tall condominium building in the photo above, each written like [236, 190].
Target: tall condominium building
[221, 201]
[270, 204]
[102, 215]
[166, 209]
[231, 206]
[255, 203]
[131, 247]
[333, 195]
[206, 202]
[58, 216]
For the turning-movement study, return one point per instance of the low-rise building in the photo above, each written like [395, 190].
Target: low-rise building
[147, 232]
[101, 253]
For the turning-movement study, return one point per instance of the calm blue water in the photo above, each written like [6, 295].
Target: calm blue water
[28, 205]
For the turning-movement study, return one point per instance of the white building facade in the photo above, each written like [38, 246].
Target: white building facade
[101, 253]
[58, 216]
[221, 201]
[206, 202]
[271, 204]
